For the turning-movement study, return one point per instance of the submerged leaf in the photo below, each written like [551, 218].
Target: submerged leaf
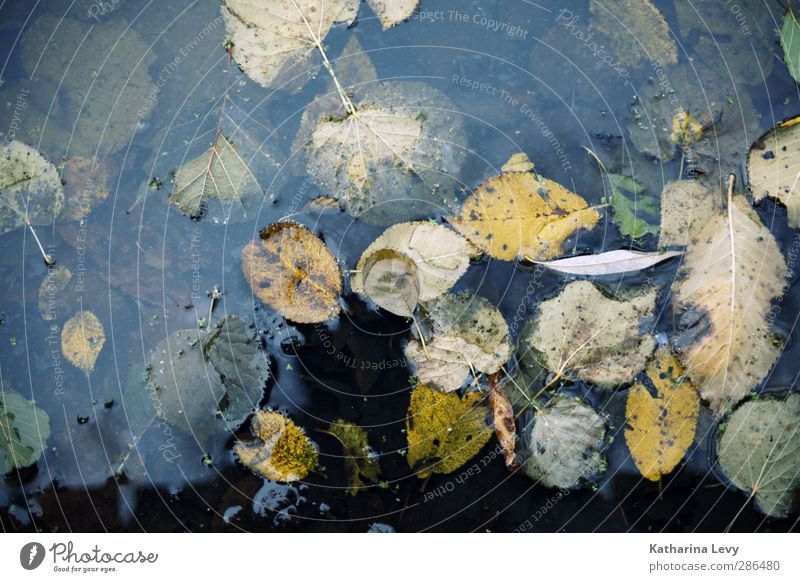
[440, 256]
[582, 333]
[760, 453]
[24, 430]
[630, 201]
[82, 339]
[360, 462]
[518, 214]
[50, 296]
[637, 31]
[566, 444]
[218, 185]
[281, 452]
[85, 186]
[207, 383]
[291, 270]
[608, 263]
[661, 413]
[394, 157]
[393, 12]
[773, 164]
[29, 187]
[273, 40]
[468, 335]
[724, 289]
[686, 207]
[444, 430]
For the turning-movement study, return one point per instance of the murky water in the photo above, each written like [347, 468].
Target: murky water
[522, 76]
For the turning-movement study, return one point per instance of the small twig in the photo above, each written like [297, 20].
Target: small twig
[215, 294]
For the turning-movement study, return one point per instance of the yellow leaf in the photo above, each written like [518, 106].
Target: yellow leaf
[282, 451]
[686, 130]
[772, 166]
[724, 290]
[290, 269]
[519, 214]
[444, 430]
[662, 416]
[82, 339]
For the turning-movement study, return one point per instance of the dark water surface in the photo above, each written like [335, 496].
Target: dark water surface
[519, 80]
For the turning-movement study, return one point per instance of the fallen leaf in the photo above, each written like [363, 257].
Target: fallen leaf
[82, 339]
[467, 335]
[360, 461]
[566, 444]
[273, 40]
[207, 382]
[773, 164]
[29, 187]
[85, 186]
[444, 430]
[584, 334]
[291, 270]
[518, 214]
[391, 280]
[759, 451]
[686, 207]
[439, 255]
[661, 413]
[723, 293]
[281, 452]
[24, 430]
[608, 263]
[218, 185]
[51, 300]
[393, 156]
[637, 31]
[630, 202]
[503, 421]
[105, 93]
[686, 130]
[790, 41]
[393, 12]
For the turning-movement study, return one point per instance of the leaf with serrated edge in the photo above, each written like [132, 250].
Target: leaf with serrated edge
[760, 453]
[584, 334]
[608, 263]
[440, 255]
[723, 292]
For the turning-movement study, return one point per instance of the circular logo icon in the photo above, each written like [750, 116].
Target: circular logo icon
[31, 555]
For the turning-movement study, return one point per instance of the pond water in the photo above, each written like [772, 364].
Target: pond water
[136, 87]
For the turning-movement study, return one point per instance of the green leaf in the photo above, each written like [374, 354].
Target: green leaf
[360, 462]
[790, 41]
[630, 201]
[24, 430]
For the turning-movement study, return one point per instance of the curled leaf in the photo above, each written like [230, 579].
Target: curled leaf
[281, 452]
[291, 270]
[565, 445]
[608, 263]
[439, 256]
[519, 214]
[661, 413]
[503, 420]
[82, 339]
[760, 452]
[360, 461]
[584, 334]
[444, 430]
[468, 335]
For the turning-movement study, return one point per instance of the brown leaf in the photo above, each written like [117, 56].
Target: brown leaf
[503, 420]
